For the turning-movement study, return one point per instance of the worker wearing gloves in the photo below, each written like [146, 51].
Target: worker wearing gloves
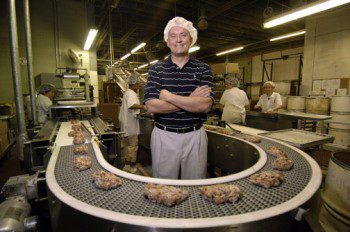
[129, 124]
[270, 101]
[234, 102]
[44, 101]
[179, 93]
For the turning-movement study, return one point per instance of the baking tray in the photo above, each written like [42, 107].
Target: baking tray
[300, 138]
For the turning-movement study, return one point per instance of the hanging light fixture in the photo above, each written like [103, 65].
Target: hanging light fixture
[138, 47]
[304, 11]
[90, 39]
[153, 62]
[193, 49]
[142, 66]
[229, 51]
[125, 56]
[293, 34]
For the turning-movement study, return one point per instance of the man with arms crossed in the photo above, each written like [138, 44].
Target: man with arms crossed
[179, 93]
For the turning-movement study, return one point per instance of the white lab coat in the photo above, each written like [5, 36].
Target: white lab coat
[43, 104]
[127, 117]
[266, 102]
[234, 101]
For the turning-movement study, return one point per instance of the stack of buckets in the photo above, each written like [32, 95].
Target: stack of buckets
[340, 111]
[296, 103]
[335, 210]
[318, 105]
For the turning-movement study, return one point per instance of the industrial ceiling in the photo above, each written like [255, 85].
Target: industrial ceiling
[229, 24]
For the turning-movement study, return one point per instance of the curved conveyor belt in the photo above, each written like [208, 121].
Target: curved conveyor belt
[127, 204]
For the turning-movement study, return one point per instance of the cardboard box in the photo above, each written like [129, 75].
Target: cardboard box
[223, 68]
[110, 111]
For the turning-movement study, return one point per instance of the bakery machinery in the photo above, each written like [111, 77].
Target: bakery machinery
[38, 150]
[76, 204]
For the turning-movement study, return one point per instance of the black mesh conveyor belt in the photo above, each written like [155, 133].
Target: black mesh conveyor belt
[128, 199]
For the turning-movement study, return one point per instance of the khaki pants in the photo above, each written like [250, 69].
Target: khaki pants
[172, 152]
[129, 147]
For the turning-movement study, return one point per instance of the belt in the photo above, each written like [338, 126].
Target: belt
[179, 130]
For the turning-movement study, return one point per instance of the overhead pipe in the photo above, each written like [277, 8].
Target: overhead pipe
[111, 47]
[28, 33]
[16, 75]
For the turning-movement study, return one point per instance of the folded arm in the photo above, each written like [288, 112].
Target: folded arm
[198, 101]
[158, 106]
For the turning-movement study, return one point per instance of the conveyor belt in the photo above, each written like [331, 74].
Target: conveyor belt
[126, 204]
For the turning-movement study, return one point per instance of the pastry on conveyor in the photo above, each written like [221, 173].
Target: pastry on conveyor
[82, 162]
[73, 133]
[166, 195]
[267, 179]
[81, 149]
[275, 151]
[78, 139]
[219, 129]
[105, 180]
[74, 121]
[76, 127]
[282, 163]
[252, 138]
[221, 193]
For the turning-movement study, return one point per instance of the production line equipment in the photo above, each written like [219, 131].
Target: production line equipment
[75, 202]
[38, 150]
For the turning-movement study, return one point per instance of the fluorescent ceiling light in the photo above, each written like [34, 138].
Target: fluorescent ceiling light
[166, 57]
[125, 56]
[142, 66]
[193, 49]
[229, 51]
[306, 10]
[153, 62]
[91, 37]
[302, 32]
[144, 74]
[138, 47]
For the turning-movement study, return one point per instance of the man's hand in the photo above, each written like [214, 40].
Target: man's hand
[270, 111]
[201, 91]
[164, 95]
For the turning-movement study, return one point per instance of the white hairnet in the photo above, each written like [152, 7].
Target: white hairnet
[181, 22]
[233, 81]
[46, 88]
[269, 83]
[132, 80]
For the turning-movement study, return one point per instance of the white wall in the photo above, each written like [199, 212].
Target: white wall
[327, 46]
[283, 70]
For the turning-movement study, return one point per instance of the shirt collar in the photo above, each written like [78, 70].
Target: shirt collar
[169, 62]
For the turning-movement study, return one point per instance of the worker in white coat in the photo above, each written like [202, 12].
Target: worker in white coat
[234, 102]
[129, 124]
[44, 101]
[270, 101]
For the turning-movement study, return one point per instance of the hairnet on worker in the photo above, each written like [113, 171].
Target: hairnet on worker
[181, 22]
[269, 83]
[133, 80]
[233, 81]
[46, 88]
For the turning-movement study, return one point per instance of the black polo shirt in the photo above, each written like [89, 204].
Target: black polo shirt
[167, 75]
